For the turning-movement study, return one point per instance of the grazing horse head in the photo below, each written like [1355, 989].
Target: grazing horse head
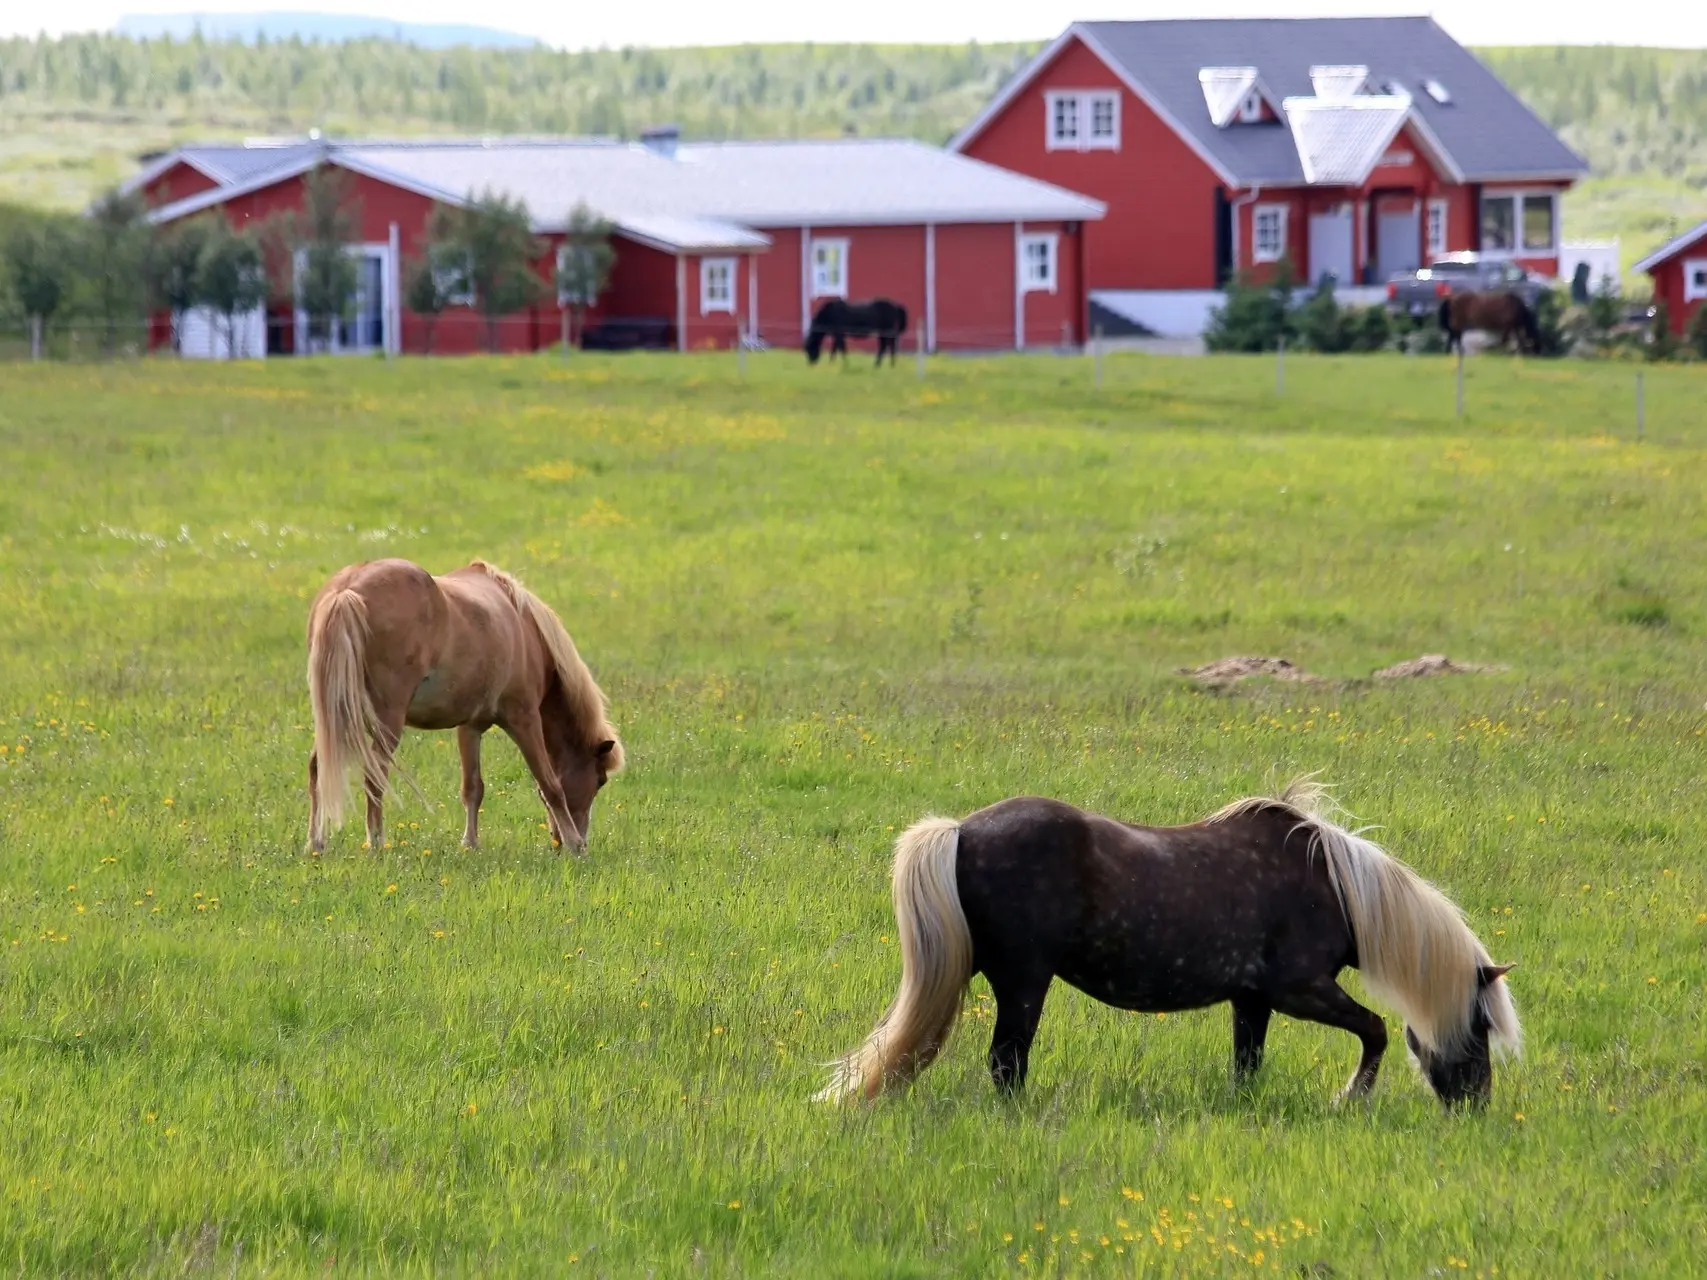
[1461, 1071]
[582, 770]
[814, 344]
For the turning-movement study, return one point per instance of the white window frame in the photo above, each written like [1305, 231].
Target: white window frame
[708, 267]
[1282, 214]
[1050, 241]
[1250, 109]
[1517, 196]
[1079, 106]
[822, 285]
[1693, 292]
[1436, 227]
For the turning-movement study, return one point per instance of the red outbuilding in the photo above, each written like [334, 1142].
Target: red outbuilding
[1354, 148]
[1679, 272]
[715, 242]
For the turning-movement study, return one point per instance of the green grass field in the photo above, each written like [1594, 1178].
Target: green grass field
[823, 604]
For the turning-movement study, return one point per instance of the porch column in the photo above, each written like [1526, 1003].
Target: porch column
[681, 302]
[805, 281]
[752, 299]
[930, 287]
[1019, 290]
[394, 294]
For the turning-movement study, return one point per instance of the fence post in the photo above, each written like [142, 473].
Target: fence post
[1641, 406]
[35, 337]
[1096, 353]
[919, 348]
[1460, 379]
[1280, 366]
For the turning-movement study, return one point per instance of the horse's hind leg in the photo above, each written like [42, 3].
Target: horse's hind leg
[1019, 1007]
[1323, 1001]
[387, 734]
[1250, 1033]
[473, 785]
[316, 822]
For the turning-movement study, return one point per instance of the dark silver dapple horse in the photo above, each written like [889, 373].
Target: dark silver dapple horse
[838, 320]
[1261, 905]
[1500, 312]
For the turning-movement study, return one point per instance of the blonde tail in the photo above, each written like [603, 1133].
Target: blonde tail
[344, 716]
[936, 965]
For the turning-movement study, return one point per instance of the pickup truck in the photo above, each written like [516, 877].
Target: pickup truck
[1420, 293]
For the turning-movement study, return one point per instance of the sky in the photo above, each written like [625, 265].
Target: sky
[692, 22]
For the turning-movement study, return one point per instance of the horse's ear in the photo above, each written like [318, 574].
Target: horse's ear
[605, 748]
[1492, 973]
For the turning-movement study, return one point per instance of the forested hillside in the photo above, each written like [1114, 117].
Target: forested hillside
[78, 109]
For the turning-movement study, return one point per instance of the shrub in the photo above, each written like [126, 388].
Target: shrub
[1256, 314]
[1661, 341]
[1696, 335]
[1371, 329]
[1550, 336]
[1322, 324]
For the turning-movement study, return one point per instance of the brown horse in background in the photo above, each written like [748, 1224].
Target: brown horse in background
[1503, 313]
[390, 645]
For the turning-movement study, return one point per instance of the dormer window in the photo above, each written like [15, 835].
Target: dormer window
[1250, 109]
[1082, 120]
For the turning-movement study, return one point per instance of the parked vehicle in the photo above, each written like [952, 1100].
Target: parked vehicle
[1420, 293]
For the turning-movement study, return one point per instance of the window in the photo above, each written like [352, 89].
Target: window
[829, 268]
[568, 297]
[1436, 228]
[1514, 223]
[1082, 121]
[1694, 279]
[455, 281]
[1250, 110]
[716, 285]
[1538, 223]
[1037, 255]
[1268, 233]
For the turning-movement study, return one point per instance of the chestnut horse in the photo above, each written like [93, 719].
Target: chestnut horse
[1498, 312]
[1261, 904]
[390, 645]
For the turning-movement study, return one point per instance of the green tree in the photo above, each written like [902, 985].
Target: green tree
[318, 240]
[116, 246]
[1256, 314]
[583, 267]
[39, 256]
[173, 266]
[231, 276]
[1697, 332]
[1662, 343]
[492, 237]
[437, 276]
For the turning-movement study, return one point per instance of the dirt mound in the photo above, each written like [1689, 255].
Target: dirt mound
[1431, 664]
[1228, 670]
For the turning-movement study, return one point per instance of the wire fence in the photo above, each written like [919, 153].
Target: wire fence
[274, 336]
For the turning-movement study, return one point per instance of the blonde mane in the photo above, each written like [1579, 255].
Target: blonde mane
[587, 706]
[1414, 949]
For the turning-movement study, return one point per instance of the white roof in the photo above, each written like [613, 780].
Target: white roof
[1340, 139]
[1224, 88]
[1671, 247]
[707, 195]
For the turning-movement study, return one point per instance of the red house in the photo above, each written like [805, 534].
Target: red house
[714, 242]
[1679, 272]
[1354, 148]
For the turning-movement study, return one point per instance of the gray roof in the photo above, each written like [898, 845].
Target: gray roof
[1672, 247]
[1485, 131]
[705, 195]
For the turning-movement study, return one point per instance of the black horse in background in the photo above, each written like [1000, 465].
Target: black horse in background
[838, 320]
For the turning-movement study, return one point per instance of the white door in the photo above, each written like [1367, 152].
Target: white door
[1398, 242]
[1330, 246]
[204, 335]
[364, 329]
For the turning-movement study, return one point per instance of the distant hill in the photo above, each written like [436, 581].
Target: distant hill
[327, 28]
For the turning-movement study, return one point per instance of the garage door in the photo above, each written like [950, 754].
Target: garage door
[202, 335]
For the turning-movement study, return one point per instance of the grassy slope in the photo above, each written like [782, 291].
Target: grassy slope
[824, 604]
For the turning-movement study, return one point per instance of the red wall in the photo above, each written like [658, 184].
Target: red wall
[178, 183]
[1668, 285]
[975, 285]
[1159, 232]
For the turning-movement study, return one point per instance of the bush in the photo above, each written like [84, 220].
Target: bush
[1550, 335]
[1322, 324]
[1662, 343]
[1255, 316]
[1696, 335]
[1371, 330]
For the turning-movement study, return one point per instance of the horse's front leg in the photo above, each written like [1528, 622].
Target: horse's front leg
[529, 736]
[1323, 1001]
[473, 785]
[1250, 1034]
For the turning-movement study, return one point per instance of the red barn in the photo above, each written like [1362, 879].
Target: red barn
[1679, 272]
[714, 242]
[1354, 148]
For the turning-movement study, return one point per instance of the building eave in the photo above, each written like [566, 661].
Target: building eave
[1666, 252]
